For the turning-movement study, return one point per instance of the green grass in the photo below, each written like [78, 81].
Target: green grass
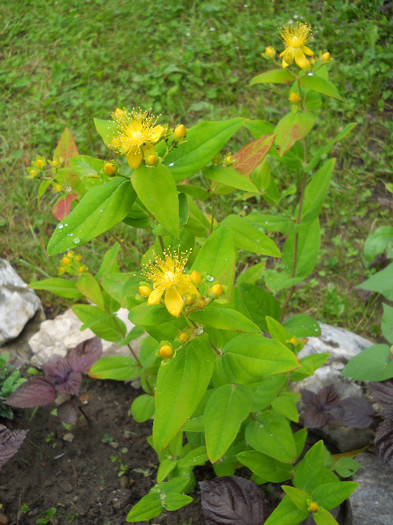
[64, 63]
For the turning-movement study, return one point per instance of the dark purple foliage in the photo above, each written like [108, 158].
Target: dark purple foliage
[10, 441]
[326, 406]
[383, 394]
[232, 500]
[62, 376]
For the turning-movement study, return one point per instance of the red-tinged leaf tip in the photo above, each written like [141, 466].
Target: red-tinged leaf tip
[85, 354]
[69, 410]
[232, 500]
[10, 441]
[252, 154]
[62, 208]
[66, 147]
[36, 392]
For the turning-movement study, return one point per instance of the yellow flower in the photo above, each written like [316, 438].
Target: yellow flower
[295, 37]
[136, 135]
[270, 52]
[167, 276]
[294, 98]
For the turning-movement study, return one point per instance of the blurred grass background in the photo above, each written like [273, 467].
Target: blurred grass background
[65, 62]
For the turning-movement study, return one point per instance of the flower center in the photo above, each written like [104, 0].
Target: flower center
[169, 278]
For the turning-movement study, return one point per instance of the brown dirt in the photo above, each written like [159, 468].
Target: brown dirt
[81, 478]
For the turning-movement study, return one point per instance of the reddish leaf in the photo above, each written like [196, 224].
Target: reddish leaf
[36, 392]
[232, 500]
[318, 406]
[69, 410]
[355, 412]
[62, 208]
[59, 373]
[83, 356]
[66, 148]
[10, 441]
[382, 392]
[291, 128]
[384, 442]
[252, 154]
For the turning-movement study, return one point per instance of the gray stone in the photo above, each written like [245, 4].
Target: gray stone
[372, 501]
[57, 336]
[342, 345]
[18, 304]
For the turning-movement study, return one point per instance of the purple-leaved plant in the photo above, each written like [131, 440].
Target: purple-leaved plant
[10, 441]
[61, 376]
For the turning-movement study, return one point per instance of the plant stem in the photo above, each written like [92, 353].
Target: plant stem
[161, 243]
[213, 200]
[125, 249]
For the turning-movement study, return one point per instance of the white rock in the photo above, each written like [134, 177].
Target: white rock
[18, 304]
[57, 336]
[342, 345]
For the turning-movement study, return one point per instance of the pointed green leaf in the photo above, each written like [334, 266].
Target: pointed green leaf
[265, 467]
[224, 319]
[274, 76]
[66, 147]
[310, 472]
[324, 517]
[118, 368]
[230, 177]
[204, 142]
[101, 208]
[315, 192]
[181, 384]
[58, 286]
[302, 325]
[255, 303]
[107, 129]
[286, 513]
[371, 364]
[331, 495]
[321, 85]
[105, 325]
[250, 156]
[89, 287]
[297, 496]
[291, 128]
[142, 409]
[156, 189]
[381, 282]
[285, 404]
[226, 409]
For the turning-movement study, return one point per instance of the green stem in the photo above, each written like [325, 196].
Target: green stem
[161, 243]
[213, 200]
[125, 249]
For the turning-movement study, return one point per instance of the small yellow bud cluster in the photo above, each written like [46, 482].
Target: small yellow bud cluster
[326, 57]
[70, 263]
[229, 160]
[180, 131]
[110, 169]
[270, 52]
[166, 352]
[313, 507]
[294, 98]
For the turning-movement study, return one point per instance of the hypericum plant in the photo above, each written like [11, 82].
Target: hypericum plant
[61, 376]
[216, 386]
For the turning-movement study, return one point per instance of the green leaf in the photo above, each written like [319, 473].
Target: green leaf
[297, 496]
[101, 208]
[142, 409]
[42, 189]
[181, 385]
[286, 513]
[324, 150]
[302, 325]
[371, 364]
[274, 76]
[118, 368]
[147, 508]
[309, 364]
[89, 169]
[309, 240]
[226, 409]
[331, 495]
[271, 434]
[89, 287]
[258, 128]
[291, 128]
[107, 130]
[149, 315]
[204, 142]
[310, 472]
[217, 257]
[224, 319]
[277, 331]
[105, 325]
[267, 391]
[247, 237]
[230, 177]
[377, 242]
[196, 192]
[273, 223]
[265, 467]
[120, 285]
[109, 264]
[315, 192]
[251, 275]
[381, 282]
[255, 303]
[387, 322]
[319, 84]
[249, 358]
[176, 501]
[56, 285]
[346, 467]
[285, 404]
[197, 223]
[324, 517]
[197, 456]
[156, 189]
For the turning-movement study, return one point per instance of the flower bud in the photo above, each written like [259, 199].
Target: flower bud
[66, 261]
[144, 291]
[78, 257]
[70, 254]
[314, 507]
[195, 277]
[82, 269]
[166, 352]
[151, 160]
[293, 341]
[326, 57]
[200, 302]
[294, 98]
[180, 131]
[217, 290]
[284, 64]
[58, 187]
[188, 299]
[32, 172]
[40, 163]
[110, 169]
[184, 337]
[61, 270]
[55, 163]
[270, 52]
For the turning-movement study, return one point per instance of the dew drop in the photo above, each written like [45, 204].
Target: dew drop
[77, 240]
[70, 235]
[101, 211]
[209, 278]
[199, 331]
[60, 227]
[310, 74]
[171, 164]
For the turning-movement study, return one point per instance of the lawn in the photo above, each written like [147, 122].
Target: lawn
[64, 63]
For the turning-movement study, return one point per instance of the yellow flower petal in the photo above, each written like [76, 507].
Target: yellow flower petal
[184, 287]
[134, 158]
[173, 301]
[306, 50]
[155, 296]
[156, 133]
[300, 59]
